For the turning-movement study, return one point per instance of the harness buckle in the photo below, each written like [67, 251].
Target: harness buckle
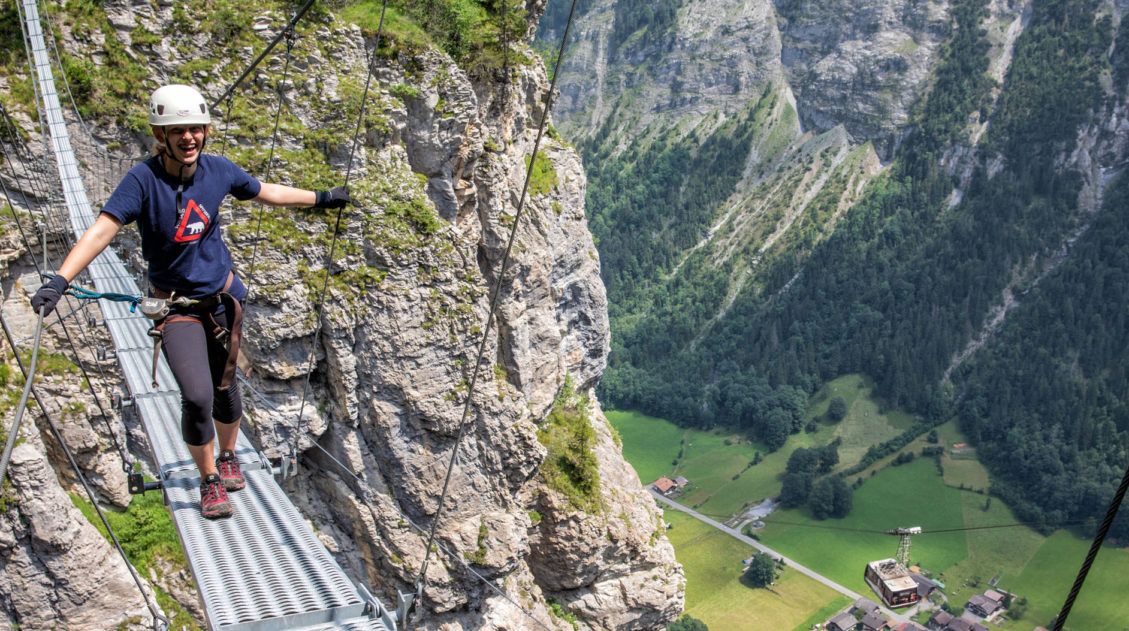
[154, 308]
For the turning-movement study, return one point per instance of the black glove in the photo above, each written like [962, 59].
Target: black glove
[335, 197]
[49, 294]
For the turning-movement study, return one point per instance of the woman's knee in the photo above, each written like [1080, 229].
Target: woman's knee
[228, 406]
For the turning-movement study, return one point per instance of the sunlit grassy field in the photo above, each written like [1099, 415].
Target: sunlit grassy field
[986, 541]
[909, 495]
[710, 460]
[716, 596]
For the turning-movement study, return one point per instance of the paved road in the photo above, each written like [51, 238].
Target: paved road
[890, 614]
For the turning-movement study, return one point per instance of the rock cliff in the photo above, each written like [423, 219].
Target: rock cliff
[438, 175]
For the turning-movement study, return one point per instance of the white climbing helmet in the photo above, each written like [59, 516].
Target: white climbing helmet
[178, 105]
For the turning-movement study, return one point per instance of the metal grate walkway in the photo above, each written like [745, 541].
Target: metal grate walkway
[263, 569]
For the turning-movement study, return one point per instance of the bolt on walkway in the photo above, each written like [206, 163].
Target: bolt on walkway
[263, 569]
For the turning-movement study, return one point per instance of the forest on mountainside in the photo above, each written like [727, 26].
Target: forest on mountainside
[906, 281]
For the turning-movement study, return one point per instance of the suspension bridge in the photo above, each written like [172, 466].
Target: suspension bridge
[263, 569]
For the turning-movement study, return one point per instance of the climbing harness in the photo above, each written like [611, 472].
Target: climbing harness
[165, 307]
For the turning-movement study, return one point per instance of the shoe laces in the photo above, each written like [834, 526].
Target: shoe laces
[213, 491]
[229, 468]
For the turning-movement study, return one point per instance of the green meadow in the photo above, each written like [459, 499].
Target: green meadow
[984, 541]
[714, 591]
[910, 495]
[715, 462]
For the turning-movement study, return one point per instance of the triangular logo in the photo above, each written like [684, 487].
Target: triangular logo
[192, 225]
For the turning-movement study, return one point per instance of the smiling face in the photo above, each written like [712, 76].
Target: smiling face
[182, 144]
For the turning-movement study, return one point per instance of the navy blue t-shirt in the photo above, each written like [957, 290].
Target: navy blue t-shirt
[180, 234]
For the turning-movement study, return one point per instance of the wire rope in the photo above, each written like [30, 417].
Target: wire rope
[40, 105]
[123, 453]
[226, 124]
[266, 51]
[337, 223]
[494, 300]
[14, 432]
[159, 621]
[1095, 546]
[365, 491]
[67, 242]
[290, 40]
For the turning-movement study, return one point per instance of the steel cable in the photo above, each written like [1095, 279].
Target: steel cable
[494, 300]
[1095, 546]
[159, 621]
[290, 36]
[337, 223]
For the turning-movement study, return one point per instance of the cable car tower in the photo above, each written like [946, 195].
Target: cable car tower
[903, 546]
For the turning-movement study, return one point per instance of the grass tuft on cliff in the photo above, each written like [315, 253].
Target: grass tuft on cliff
[570, 466]
[148, 537]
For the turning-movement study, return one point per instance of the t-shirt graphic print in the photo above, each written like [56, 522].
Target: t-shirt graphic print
[192, 224]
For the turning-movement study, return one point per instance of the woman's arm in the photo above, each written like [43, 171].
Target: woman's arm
[90, 245]
[280, 195]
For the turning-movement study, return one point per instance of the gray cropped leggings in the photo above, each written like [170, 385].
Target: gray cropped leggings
[197, 360]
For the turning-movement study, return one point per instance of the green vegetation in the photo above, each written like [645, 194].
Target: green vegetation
[149, 539]
[710, 460]
[905, 282]
[543, 177]
[715, 593]
[894, 497]
[687, 623]
[639, 19]
[761, 571]
[561, 613]
[570, 466]
[479, 554]
[478, 34]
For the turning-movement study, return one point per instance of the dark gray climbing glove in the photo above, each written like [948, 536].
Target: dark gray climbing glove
[49, 295]
[335, 197]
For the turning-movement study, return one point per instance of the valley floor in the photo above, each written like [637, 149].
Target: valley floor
[981, 541]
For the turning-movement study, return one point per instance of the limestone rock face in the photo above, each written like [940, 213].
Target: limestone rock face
[394, 370]
[603, 583]
[718, 56]
[860, 64]
[370, 379]
[56, 570]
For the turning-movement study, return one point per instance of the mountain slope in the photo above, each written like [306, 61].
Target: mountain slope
[1003, 128]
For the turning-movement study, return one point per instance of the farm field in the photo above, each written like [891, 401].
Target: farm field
[710, 460]
[715, 594]
[1046, 580]
[909, 495]
[717, 462]
[1039, 568]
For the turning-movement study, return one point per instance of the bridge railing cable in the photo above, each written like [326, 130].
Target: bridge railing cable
[494, 301]
[290, 40]
[123, 453]
[266, 51]
[320, 305]
[159, 620]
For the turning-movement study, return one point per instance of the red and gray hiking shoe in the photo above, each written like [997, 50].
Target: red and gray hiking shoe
[230, 473]
[213, 498]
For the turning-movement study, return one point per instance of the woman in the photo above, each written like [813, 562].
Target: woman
[175, 198]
